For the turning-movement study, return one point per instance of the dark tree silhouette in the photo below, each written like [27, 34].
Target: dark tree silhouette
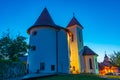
[115, 59]
[12, 49]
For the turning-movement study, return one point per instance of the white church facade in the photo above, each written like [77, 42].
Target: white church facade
[55, 49]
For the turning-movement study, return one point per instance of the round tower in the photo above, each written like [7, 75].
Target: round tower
[42, 54]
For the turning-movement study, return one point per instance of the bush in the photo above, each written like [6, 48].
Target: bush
[9, 69]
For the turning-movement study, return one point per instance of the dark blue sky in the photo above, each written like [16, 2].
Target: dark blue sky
[100, 19]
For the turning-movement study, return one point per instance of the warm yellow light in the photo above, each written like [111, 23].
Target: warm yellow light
[74, 56]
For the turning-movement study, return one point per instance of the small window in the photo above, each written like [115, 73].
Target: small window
[72, 38]
[27, 68]
[70, 52]
[73, 68]
[90, 64]
[70, 66]
[52, 67]
[96, 63]
[42, 66]
[80, 37]
[35, 33]
[33, 48]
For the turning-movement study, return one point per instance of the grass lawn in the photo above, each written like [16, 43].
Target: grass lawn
[72, 77]
[112, 77]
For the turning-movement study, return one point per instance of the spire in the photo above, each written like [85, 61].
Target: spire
[74, 21]
[106, 57]
[44, 19]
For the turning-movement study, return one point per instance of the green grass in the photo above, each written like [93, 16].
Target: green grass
[112, 77]
[73, 77]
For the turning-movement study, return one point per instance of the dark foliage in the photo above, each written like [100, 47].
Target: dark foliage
[12, 49]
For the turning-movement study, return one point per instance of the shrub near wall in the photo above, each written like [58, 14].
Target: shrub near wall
[10, 69]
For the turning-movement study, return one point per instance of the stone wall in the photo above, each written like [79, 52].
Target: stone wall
[11, 69]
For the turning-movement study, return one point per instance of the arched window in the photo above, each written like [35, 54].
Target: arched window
[96, 63]
[72, 38]
[80, 36]
[90, 63]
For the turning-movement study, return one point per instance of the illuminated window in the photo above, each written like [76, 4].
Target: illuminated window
[35, 33]
[90, 64]
[52, 67]
[42, 66]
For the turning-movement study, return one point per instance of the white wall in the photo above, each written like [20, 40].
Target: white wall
[45, 42]
[87, 66]
[80, 47]
[63, 53]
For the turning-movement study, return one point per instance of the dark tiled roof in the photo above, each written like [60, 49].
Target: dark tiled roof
[88, 51]
[74, 21]
[101, 66]
[107, 63]
[44, 20]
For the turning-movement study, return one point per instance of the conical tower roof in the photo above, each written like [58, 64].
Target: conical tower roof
[44, 20]
[74, 21]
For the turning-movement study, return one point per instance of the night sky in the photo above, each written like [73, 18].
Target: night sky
[100, 19]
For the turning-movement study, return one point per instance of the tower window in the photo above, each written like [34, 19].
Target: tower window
[42, 66]
[80, 37]
[33, 48]
[72, 38]
[52, 67]
[70, 52]
[90, 64]
[73, 68]
[27, 68]
[35, 33]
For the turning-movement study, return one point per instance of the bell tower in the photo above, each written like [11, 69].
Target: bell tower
[75, 44]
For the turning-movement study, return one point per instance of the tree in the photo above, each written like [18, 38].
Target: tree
[12, 49]
[115, 59]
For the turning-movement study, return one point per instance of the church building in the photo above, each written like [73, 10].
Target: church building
[57, 49]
